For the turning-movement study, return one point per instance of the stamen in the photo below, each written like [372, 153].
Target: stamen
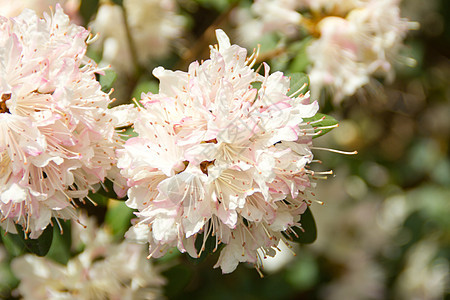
[335, 151]
[299, 90]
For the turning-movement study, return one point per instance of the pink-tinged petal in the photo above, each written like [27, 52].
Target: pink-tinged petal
[138, 233]
[188, 245]
[14, 194]
[227, 216]
[309, 110]
[223, 39]
[228, 261]
[218, 158]
[56, 132]
[164, 228]
[202, 152]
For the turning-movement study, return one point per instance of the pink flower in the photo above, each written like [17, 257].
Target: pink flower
[103, 270]
[219, 158]
[352, 40]
[352, 49]
[57, 137]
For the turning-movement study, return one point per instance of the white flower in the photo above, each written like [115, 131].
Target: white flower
[57, 138]
[153, 24]
[353, 40]
[14, 8]
[104, 270]
[381, 33]
[336, 61]
[352, 49]
[218, 160]
[423, 261]
[278, 15]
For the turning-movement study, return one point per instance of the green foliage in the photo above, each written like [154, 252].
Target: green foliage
[300, 62]
[107, 80]
[307, 234]
[18, 243]
[169, 257]
[118, 217]
[145, 86]
[41, 245]
[98, 198]
[209, 248]
[88, 8]
[13, 244]
[107, 190]
[8, 280]
[268, 42]
[60, 250]
[128, 133]
[303, 274]
[323, 121]
[298, 81]
[180, 276]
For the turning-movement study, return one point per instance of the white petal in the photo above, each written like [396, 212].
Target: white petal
[223, 39]
[14, 193]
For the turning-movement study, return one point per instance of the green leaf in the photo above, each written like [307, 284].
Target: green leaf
[12, 243]
[42, 244]
[179, 277]
[8, 280]
[118, 217]
[256, 85]
[145, 86]
[107, 80]
[301, 60]
[268, 42]
[18, 243]
[128, 133]
[60, 251]
[210, 245]
[107, 190]
[308, 233]
[95, 55]
[298, 81]
[322, 123]
[88, 9]
[99, 198]
[170, 256]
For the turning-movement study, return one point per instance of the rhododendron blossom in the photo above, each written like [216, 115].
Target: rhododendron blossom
[352, 49]
[103, 270]
[14, 8]
[221, 157]
[353, 40]
[56, 136]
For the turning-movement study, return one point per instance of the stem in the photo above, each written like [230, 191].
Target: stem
[204, 40]
[131, 44]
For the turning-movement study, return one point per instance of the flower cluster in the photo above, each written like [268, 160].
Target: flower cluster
[14, 8]
[103, 270]
[353, 39]
[352, 49]
[221, 158]
[57, 137]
